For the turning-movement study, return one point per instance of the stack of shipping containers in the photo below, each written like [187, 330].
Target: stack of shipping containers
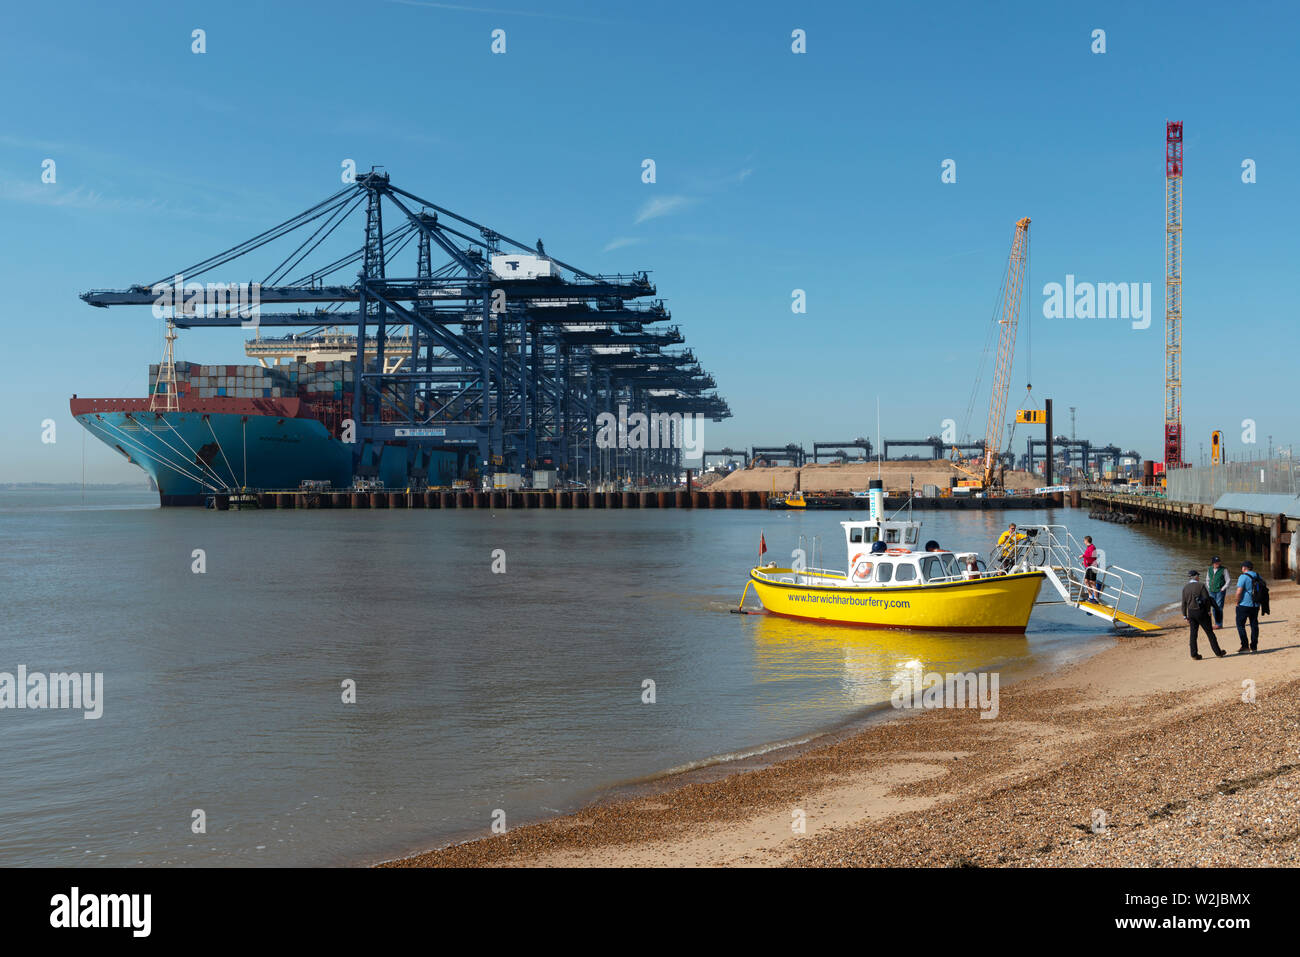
[307, 380]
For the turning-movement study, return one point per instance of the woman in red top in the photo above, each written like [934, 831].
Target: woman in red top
[1089, 559]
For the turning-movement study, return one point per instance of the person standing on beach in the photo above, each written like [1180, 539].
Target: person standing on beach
[1248, 607]
[1216, 582]
[1196, 612]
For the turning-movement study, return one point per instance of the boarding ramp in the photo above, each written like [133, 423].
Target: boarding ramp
[1052, 550]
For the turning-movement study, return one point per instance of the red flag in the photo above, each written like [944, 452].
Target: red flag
[762, 544]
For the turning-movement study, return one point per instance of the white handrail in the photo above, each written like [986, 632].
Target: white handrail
[1055, 546]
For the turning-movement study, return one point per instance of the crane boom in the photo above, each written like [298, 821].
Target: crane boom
[1173, 296]
[1012, 287]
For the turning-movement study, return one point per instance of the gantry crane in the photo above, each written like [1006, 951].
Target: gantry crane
[502, 353]
[985, 468]
[1173, 296]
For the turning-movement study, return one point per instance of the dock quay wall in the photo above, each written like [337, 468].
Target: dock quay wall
[584, 499]
[1271, 538]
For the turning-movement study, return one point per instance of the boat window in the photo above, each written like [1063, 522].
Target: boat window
[884, 571]
[906, 572]
[950, 566]
[855, 535]
[911, 535]
[891, 535]
[872, 534]
[930, 568]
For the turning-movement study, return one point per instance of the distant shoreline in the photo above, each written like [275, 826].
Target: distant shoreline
[72, 486]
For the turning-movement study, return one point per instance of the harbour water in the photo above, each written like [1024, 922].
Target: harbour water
[476, 691]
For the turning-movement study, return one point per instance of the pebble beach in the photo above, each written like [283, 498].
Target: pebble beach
[1138, 756]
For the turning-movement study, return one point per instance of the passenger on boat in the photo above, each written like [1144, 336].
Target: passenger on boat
[933, 546]
[1006, 550]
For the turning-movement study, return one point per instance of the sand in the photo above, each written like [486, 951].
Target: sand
[854, 477]
[1138, 756]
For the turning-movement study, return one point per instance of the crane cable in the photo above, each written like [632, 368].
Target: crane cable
[261, 239]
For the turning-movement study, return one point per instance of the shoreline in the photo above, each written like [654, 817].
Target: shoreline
[957, 790]
[743, 759]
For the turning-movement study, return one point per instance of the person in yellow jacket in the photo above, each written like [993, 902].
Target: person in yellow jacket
[1007, 545]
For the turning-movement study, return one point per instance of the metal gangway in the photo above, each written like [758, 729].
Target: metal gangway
[1052, 550]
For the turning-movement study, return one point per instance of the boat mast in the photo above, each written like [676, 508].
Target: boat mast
[878, 437]
[165, 384]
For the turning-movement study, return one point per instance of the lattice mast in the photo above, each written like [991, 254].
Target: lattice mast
[1174, 296]
[165, 398]
[1011, 305]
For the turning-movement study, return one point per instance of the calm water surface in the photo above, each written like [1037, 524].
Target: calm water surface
[475, 691]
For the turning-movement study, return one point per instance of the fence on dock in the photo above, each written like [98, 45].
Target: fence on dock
[1277, 476]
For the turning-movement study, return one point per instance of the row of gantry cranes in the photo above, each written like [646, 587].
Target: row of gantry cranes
[462, 339]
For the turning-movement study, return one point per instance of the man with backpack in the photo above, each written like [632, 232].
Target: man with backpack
[1252, 598]
[1196, 612]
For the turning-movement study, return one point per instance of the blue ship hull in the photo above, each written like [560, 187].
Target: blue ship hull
[190, 455]
[193, 453]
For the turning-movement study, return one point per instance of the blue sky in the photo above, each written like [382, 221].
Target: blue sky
[775, 171]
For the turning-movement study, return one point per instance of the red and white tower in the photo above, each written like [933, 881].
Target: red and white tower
[1174, 296]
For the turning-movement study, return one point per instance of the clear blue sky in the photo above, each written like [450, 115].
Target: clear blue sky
[776, 171]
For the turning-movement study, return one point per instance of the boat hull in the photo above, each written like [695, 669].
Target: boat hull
[1002, 603]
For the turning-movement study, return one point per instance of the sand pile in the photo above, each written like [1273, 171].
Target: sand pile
[854, 477]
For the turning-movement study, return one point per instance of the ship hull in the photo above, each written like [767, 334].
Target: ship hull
[192, 453]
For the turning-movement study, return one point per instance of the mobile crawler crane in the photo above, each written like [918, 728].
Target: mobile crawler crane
[985, 468]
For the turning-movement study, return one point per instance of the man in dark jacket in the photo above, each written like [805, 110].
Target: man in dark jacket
[1196, 612]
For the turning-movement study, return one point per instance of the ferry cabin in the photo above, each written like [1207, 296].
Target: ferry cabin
[899, 563]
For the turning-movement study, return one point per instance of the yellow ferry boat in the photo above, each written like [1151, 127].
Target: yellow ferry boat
[891, 584]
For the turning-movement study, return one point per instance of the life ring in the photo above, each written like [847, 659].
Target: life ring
[862, 571]
[898, 551]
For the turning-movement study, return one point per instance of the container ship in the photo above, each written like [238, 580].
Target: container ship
[208, 429]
